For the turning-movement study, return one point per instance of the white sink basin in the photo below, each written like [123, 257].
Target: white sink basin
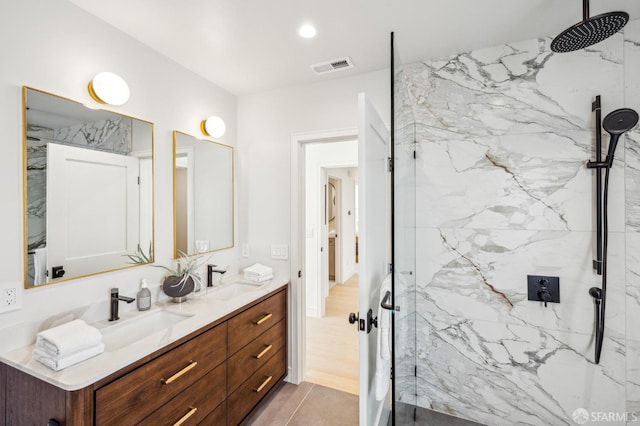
[229, 291]
[126, 331]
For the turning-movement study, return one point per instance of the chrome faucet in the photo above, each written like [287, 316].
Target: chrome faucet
[211, 269]
[115, 301]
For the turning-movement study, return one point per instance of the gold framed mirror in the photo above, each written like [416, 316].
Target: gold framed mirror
[88, 189]
[203, 195]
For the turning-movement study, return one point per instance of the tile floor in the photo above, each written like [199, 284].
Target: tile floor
[308, 404]
[405, 415]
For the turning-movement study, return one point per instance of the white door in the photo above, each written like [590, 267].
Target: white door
[93, 200]
[374, 243]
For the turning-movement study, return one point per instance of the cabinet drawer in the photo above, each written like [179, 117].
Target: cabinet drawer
[242, 401]
[246, 326]
[253, 356]
[217, 417]
[192, 405]
[134, 396]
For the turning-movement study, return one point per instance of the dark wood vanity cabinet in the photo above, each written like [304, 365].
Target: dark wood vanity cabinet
[218, 375]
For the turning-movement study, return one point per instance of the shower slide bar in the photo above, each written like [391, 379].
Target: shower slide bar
[597, 262]
[616, 123]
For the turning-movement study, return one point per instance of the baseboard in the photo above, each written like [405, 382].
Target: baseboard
[347, 276]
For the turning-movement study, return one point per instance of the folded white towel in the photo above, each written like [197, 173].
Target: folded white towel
[58, 363]
[68, 338]
[258, 279]
[258, 270]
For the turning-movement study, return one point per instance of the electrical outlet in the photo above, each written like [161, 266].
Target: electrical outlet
[9, 297]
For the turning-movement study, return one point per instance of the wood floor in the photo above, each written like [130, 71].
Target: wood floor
[332, 343]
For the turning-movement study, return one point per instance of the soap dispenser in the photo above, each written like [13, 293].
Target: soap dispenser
[144, 297]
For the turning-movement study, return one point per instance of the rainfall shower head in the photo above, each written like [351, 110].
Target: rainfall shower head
[590, 31]
[616, 123]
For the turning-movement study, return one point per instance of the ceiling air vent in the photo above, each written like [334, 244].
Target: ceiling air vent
[331, 66]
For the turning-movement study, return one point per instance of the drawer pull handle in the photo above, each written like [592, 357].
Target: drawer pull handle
[267, 380]
[264, 351]
[184, 418]
[176, 376]
[263, 319]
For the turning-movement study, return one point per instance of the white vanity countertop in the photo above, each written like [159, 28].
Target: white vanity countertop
[199, 309]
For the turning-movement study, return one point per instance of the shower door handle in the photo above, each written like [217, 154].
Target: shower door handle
[385, 301]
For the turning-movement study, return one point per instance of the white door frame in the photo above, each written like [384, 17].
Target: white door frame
[298, 296]
[187, 151]
[338, 213]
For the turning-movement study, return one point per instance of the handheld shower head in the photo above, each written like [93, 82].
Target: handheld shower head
[616, 123]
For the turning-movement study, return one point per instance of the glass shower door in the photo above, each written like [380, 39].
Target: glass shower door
[404, 245]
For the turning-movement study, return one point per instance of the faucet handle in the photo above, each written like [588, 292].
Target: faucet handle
[114, 292]
[211, 269]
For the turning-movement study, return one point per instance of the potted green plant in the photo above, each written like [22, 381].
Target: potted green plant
[183, 278]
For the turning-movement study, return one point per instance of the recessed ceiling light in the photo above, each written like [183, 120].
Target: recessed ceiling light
[307, 31]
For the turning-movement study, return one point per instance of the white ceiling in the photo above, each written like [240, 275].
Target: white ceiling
[246, 46]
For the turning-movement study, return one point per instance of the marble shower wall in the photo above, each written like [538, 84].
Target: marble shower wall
[112, 135]
[502, 136]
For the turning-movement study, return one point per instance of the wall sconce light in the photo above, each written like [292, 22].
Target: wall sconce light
[213, 126]
[109, 88]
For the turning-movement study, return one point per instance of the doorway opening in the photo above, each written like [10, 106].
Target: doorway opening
[332, 344]
[329, 211]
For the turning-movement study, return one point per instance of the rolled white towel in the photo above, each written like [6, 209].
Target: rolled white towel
[58, 363]
[68, 338]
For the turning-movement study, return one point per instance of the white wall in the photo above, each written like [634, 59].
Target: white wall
[55, 46]
[267, 122]
[317, 157]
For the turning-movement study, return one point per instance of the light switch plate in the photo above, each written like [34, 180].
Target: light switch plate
[245, 249]
[279, 251]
